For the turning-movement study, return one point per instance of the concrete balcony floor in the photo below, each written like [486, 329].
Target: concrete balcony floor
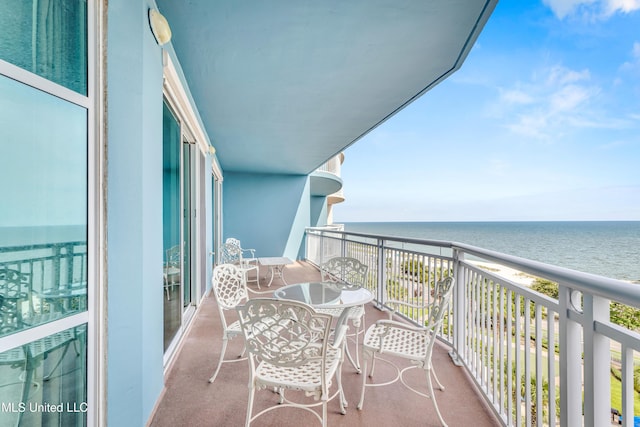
[189, 399]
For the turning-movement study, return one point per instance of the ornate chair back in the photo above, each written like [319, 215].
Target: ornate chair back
[284, 333]
[440, 300]
[229, 286]
[230, 254]
[345, 270]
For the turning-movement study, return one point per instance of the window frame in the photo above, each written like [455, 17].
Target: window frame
[93, 317]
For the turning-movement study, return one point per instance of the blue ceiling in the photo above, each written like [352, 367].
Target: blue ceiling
[282, 86]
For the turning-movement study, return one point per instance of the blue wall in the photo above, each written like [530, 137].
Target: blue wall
[134, 215]
[319, 211]
[268, 213]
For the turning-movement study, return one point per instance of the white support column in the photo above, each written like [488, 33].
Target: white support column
[458, 307]
[321, 248]
[627, 385]
[597, 363]
[382, 276]
[570, 362]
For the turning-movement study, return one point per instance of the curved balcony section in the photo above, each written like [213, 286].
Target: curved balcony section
[326, 179]
[337, 197]
[325, 183]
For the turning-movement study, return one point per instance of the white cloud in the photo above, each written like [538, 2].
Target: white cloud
[634, 63]
[515, 96]
[591, 9]
[533, 124]
[569, 98]
[559, 75]
[624, 6]
[564, 8]
[555, 101]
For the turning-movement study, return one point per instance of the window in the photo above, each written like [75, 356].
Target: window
[47, 38]
[46, 267]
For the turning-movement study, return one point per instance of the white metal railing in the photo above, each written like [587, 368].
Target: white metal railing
[333, 165]
[532, 357]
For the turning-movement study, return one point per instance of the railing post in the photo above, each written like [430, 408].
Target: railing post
[321, 248]
[56, 265]
[570, 361]
[597, 363]
[382, 273]
[458, 305]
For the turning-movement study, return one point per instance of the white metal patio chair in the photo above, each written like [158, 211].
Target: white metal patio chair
[290, 348]
[251, 259]
[231, 253]
[414, 343]
[230, 290]
[348, 272]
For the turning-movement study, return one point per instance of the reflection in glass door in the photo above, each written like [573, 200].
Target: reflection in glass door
[171, 219]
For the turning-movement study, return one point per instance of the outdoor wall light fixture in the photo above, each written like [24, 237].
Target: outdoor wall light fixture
[159, 27]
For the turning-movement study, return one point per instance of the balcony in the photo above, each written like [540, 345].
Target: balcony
[508, 355]
[326, 181]
[188, 395]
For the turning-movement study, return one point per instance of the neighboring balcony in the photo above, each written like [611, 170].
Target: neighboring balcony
[326, 181]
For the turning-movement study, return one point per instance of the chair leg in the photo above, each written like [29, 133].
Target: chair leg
[224, 348]
[343, 400]
[355, 363]
[257, 279]
[364, 380]
[359, 330]
[166, 289]
[373, 365]
[433, 397]
[435, 377]
[324, 413]
[252, 392]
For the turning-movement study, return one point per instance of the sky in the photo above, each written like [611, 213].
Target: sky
[541, 123]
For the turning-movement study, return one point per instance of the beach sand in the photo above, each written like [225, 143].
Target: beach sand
[506, 272]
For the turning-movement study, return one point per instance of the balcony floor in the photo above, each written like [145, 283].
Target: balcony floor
[189, 399]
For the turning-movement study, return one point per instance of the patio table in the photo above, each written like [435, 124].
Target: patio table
[276, 266]
[327, 295]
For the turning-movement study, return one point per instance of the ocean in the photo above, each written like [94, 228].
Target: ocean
[23, 236]
[606, 248]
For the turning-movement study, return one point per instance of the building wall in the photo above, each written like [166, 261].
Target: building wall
[268, 213]
[134, 215]
[319, 211]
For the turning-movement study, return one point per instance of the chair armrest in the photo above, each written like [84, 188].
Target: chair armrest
[251, 251]
[396, 303]
[401, 325]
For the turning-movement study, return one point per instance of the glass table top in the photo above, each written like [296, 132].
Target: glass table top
[325, 294]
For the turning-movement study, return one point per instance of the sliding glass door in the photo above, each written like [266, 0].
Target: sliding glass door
[180, 224]
[188, 169]
[173, 265]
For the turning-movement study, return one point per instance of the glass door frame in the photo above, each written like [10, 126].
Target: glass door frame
[191, 134]
[190, 185]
